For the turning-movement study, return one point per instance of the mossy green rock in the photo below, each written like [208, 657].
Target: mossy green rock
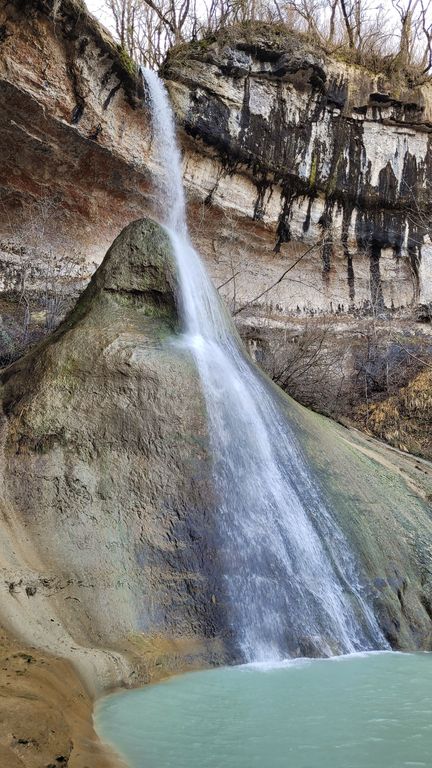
[382, 501]
[106, 472]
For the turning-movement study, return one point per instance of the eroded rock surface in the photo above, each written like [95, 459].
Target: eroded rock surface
[282, 146]
[318, 152]
[330, 166]
[108, 548]
[111, 546]
[284, 150]
[382, 500]
[46, 712]
[74, 139]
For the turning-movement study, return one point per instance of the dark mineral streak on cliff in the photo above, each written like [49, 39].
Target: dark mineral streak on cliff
[294, 146]
[306, 135]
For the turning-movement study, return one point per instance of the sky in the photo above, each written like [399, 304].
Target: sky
[96, 7]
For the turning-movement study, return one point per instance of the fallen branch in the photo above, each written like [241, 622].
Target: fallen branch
[260, 295]
[411, 354]
[227, 281]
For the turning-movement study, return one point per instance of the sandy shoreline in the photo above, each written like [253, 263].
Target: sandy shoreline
[45, 712]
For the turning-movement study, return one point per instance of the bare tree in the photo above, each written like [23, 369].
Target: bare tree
[414, 34]
[426, 25]
[146, 29]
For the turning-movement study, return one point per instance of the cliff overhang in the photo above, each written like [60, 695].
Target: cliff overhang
[331, 154]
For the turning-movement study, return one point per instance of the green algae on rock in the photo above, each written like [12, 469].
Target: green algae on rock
[381, 499]
[105, 446]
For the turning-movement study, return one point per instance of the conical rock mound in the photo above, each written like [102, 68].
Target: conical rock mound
[108, 536]
[110, 554]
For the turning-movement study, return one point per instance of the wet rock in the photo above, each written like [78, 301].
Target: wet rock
[314, 647]
[105, 463]
[105, 441]
[289, 64]
[236, 63]
[285, 150]
[327, 157]
[276, 134]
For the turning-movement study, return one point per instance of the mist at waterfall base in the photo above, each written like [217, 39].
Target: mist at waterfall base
[359, 711]
[288, 572]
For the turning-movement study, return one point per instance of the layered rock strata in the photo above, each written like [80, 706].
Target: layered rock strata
[284, 148]
[317, 152]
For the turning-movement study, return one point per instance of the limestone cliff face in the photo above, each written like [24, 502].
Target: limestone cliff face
[285, 151]
[110, 523]
[74, 138]
[315, 151]
[109, 550]
[282, 146]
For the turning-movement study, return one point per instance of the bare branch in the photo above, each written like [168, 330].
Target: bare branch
[279, 280]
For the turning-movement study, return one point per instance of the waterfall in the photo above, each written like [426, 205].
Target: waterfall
[287, 569]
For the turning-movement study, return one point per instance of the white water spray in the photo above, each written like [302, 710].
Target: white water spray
[284, 584]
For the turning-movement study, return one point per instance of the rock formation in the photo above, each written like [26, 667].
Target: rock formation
[331, 286]
[108, 555]
[308, 182]
[316, 151]
[284, 144]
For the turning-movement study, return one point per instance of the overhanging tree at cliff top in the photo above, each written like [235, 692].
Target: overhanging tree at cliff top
[396, 33]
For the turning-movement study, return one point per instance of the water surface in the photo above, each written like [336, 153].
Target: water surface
[362, 711]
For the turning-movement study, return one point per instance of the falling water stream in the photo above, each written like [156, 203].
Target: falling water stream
[288, 573]
[288, 570]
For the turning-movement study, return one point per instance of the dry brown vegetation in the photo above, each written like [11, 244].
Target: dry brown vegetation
[405, 419]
